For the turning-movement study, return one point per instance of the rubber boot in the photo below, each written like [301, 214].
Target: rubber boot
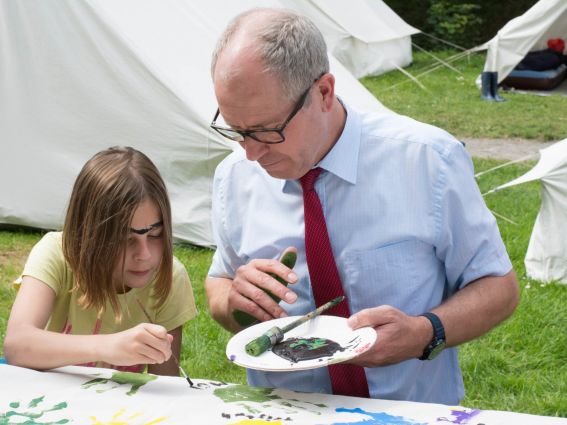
[486, 86]
[494, 88]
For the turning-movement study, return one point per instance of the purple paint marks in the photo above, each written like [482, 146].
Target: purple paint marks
[460, 417]
[232, 357]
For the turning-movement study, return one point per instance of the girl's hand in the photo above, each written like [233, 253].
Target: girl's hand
[145, 343]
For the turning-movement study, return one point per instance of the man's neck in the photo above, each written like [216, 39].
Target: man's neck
[337, 118]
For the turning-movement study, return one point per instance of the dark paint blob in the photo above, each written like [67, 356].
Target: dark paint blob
[300, 349]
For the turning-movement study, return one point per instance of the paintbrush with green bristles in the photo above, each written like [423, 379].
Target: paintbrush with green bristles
[271, 337]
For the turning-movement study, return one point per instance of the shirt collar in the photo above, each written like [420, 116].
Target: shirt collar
[342, 159]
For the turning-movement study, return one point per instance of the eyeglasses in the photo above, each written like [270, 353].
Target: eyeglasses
[270, 136]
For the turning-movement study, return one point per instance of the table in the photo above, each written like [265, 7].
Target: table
[92, 396]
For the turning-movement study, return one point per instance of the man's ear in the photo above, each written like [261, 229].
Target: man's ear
[326, 91]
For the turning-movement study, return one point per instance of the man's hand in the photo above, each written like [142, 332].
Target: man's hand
[399, 336]
[247, 292]
[469, 313]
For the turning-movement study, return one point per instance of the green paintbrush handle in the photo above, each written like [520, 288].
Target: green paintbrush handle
[244, 319]
[313, 314]
[264, 342]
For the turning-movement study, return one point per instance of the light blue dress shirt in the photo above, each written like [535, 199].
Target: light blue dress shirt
[407, 224]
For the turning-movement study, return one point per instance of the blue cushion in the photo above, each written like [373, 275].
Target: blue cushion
[525, 73]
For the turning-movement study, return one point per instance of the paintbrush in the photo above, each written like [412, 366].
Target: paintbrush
[173, 355]
[276, 334]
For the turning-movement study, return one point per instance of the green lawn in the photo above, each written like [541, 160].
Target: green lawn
[519, 366]
[452, 101]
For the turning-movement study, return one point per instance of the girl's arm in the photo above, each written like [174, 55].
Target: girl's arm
[28, 344]
[170, 367]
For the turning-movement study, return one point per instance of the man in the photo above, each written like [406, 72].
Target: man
[409, 231]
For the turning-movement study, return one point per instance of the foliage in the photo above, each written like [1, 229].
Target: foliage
[454, 22]
[494, 15]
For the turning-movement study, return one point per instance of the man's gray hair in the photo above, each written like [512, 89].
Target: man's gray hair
[290, 45]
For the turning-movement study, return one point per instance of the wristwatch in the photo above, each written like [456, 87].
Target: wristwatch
[437, 344]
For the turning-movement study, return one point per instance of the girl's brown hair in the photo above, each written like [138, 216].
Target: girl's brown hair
[106, 193]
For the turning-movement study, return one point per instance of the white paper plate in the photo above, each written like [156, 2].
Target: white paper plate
[353, 342]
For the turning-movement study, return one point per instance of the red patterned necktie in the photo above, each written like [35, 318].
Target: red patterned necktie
[326, 283]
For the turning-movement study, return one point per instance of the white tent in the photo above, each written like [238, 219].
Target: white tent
[546, 257]
[79, 76]
[366, 36]
[528, 32]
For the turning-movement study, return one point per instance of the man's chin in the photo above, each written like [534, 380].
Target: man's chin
[279, 174]
[278, 170]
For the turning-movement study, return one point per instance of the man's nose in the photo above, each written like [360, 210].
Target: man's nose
[254, 149]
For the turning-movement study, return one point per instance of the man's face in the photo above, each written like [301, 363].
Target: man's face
[254, 100]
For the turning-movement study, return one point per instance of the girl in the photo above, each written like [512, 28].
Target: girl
[85, 292]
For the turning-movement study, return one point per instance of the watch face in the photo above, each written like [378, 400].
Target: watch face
[436, 348]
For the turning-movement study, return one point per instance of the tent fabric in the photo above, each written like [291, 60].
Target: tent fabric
[546, 257]
[366, 36]
[80, 76]
[545, 20]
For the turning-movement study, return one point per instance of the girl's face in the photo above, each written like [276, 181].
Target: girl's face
[144, 249]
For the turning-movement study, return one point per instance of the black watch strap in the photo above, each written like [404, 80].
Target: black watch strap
[437, 344]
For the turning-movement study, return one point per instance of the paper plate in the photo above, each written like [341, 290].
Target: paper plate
[351, 342]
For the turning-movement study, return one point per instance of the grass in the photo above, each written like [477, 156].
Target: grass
[519, 366]
[452, 101]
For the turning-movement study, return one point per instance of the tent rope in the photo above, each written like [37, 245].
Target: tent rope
[456, 46]
[411, 77]
[525, 158]
[447, 64]
[430, 68]
[504, 218]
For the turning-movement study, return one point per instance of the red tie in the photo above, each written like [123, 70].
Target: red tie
[326, 282]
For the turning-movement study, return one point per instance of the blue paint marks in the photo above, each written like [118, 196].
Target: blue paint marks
[376, 418]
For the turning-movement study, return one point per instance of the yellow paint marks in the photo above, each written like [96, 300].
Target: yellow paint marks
[125, 421]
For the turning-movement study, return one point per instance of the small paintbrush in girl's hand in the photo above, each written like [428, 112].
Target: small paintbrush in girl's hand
[274, 335]
[173, 355]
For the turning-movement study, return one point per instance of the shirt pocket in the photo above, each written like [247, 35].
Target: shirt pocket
[402, 274]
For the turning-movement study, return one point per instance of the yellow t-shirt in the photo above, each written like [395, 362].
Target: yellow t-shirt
[47, 263]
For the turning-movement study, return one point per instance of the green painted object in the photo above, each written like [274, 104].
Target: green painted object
[275, 335]
[136, 380]
[244, 319]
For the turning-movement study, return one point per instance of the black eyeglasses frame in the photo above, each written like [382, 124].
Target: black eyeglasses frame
[250, 133]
